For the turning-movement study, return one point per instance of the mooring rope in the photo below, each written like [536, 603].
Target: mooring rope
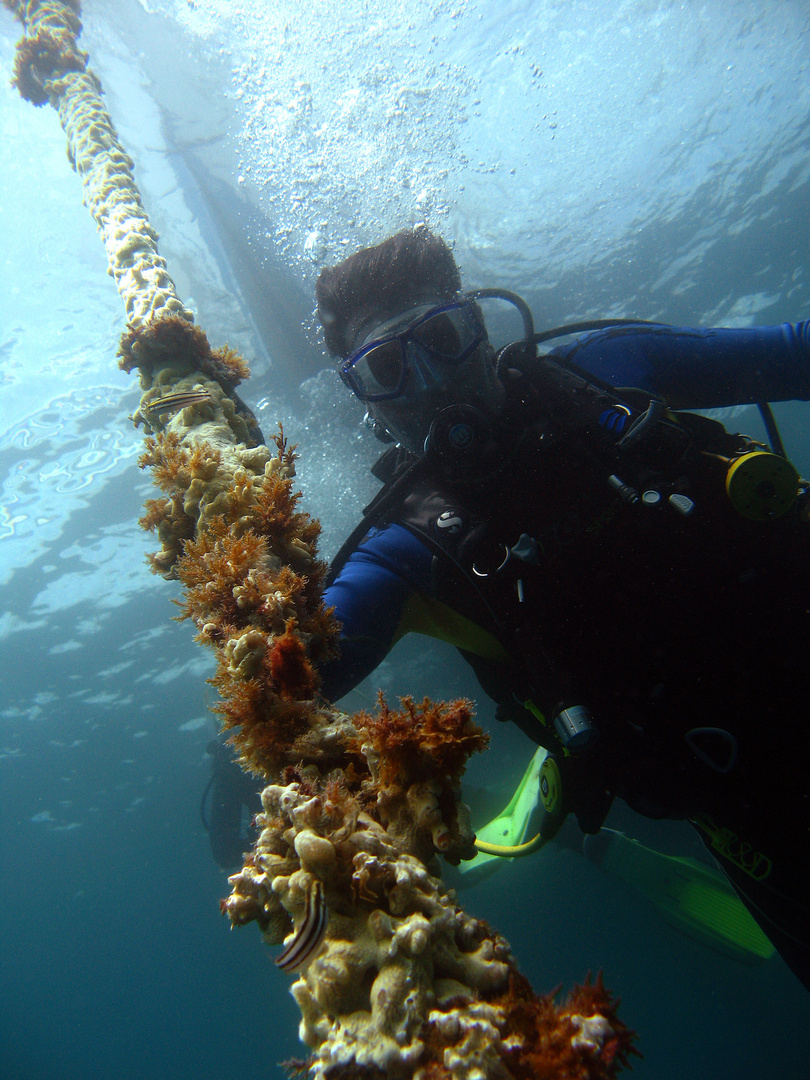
[393, 977]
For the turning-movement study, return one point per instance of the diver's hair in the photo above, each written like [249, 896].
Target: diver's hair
[411, 266]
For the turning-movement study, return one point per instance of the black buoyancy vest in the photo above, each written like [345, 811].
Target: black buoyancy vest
[599, 548]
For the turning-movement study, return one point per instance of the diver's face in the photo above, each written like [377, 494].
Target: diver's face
[409, 366]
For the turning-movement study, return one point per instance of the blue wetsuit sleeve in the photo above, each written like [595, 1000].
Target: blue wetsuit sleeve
[369, 596]
[700, 369]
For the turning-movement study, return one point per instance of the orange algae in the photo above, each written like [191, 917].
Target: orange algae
[547, 1040]
[173, 465]
[554, 1040]
[171, 339]
[416, 756]
[232, 367]
[289, 666]
[418, 742]
[276, 515]
[264, 619]
[267, 689]
[174, 469]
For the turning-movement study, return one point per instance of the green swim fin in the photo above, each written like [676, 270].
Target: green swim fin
[690, 895]
[511, 825]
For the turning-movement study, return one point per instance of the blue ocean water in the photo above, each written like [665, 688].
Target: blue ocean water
[647, 159]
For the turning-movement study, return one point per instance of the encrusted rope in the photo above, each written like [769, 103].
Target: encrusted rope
[50, 67]
[393, 978]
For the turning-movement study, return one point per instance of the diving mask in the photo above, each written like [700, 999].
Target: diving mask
[427, 342]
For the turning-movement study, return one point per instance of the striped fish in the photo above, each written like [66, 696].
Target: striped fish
[174, 402]
[309, 936]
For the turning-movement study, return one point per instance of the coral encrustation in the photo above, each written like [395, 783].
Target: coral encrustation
[395, 980]
[50, 67]
[400, 982]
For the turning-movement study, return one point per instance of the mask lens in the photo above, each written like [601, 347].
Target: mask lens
[384, 365]
[379, 371]
[448, 333]
[416, 339]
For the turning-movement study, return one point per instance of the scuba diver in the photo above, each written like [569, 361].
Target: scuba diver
[228, 806]
[629, 581]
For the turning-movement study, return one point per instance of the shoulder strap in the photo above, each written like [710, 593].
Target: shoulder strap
[399, 474]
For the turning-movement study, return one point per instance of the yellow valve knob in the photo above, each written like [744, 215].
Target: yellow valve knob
[762, 485]
[550, 786]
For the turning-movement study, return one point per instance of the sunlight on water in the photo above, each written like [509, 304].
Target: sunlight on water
[563, 127]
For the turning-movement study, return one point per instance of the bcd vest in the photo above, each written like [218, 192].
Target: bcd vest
[597, 543]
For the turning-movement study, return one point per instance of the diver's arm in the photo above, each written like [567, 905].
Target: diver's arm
[369, 596]
[701, 369]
